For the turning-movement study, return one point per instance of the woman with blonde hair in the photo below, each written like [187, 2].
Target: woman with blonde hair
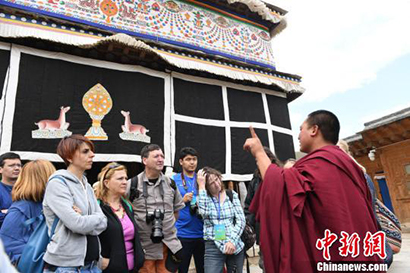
[27, 196]
[120, 243]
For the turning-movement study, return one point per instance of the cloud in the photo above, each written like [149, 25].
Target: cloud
[340, 46]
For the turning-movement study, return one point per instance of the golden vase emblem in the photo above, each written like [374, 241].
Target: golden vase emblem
[98, 103]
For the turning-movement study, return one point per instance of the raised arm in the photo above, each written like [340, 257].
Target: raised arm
[254, 145]
[203, 200]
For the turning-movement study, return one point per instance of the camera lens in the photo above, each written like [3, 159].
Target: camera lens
[157, 235]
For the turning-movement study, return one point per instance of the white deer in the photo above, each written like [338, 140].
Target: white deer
[128, 127]
[52, 125]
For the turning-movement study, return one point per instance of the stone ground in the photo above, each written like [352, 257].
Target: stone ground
[401, 263]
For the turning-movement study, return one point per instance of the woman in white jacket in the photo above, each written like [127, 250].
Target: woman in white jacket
[75, 246]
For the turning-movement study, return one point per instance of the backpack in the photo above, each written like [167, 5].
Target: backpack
[134, 189]
[248, 236]
[31, 259]
[390, 225]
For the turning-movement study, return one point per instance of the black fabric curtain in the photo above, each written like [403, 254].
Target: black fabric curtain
[205, 101]
[4, 64]
[44, 85]
[209, 141]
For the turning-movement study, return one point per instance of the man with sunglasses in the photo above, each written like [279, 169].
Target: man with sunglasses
[189, 224]
[10, 167]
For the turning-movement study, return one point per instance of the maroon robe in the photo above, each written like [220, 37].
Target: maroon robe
[324, 190]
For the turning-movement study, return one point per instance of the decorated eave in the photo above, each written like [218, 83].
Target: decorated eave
[381, 132]
[254, 10]
[217, 61]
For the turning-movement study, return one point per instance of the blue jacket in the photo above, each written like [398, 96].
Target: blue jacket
[5, 199]
[188, 225]
[14, 233]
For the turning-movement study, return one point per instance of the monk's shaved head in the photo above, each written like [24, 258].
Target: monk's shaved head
[327, 123]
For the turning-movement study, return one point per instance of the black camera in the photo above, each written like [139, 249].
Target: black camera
[156, 218]
[193, 210]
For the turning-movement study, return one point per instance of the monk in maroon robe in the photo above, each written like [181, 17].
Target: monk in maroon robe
[304, 211]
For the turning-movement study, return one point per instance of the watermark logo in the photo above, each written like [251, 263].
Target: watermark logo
[350, 244]
[325, 243]
[373, 244]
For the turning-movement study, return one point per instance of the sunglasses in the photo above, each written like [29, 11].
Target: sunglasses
[110, 167]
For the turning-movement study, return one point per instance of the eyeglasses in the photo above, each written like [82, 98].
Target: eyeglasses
[110, 167]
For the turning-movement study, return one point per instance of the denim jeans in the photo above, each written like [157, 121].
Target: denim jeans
[90, 268]
[215, 260]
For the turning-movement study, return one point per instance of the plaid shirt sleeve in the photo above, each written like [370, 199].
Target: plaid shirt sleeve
[203, 204]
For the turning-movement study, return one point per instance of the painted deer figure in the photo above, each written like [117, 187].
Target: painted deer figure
[60, 123]
[128, 127]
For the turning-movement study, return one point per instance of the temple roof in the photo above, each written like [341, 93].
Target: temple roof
[386, 130]
[22, 26]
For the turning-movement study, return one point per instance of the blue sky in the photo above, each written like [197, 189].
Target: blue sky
[354, 57]
[389, 92]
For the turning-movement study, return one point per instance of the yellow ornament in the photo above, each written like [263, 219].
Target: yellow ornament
[98, 103]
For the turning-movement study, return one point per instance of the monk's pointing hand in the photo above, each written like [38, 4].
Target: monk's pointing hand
[253, 144]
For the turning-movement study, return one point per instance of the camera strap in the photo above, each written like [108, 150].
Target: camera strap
[185, 185]
[145, 194]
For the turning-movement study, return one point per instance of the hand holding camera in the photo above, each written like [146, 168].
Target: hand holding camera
[188, 197]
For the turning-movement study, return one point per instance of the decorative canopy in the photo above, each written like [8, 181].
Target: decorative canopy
[197, 25]
[13, 26]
